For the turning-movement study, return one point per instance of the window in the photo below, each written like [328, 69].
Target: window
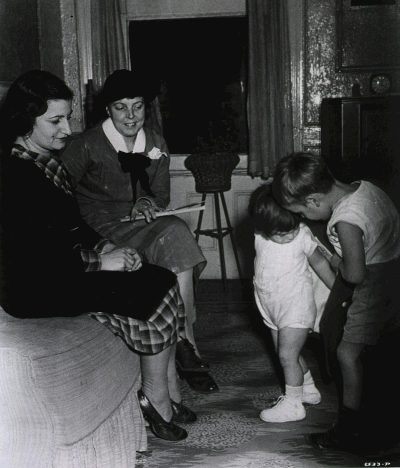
[201, 64]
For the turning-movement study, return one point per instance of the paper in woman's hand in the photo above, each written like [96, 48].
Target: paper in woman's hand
[169, 212]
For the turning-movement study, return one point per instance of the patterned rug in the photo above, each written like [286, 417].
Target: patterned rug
[229, 433]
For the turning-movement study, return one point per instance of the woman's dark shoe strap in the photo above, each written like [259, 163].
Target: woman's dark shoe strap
[181, 413]
[158, 425]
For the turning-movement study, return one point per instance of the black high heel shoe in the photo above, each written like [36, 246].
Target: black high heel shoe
[181, 413]
[159, 427]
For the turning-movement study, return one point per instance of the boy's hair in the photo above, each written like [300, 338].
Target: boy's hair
[299, 175]
[268, 216]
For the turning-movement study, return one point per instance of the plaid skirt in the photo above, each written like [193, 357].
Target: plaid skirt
[157, 333]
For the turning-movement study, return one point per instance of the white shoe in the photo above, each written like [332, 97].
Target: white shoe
[311, 395]
[285, 410]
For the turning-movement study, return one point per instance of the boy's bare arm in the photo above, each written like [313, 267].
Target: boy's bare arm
[352, 266]
[322, 268]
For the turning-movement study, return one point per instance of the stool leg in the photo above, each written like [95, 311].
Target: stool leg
[220, 236]
[231, 234]
[200, 218]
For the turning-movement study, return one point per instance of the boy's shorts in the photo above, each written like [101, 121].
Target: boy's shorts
[374, 306]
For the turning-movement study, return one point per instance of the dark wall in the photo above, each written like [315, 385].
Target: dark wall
[19, 41]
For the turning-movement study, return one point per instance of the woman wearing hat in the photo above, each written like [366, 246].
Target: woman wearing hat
[56, 265]
[121, 168]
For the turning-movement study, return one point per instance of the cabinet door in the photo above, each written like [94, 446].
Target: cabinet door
[379, 142]
[360, 138]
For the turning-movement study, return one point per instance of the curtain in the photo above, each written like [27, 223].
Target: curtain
[269, 86]
[153, 115]
[109, 54]
[108, 42]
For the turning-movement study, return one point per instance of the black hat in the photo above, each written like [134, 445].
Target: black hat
[128, 84]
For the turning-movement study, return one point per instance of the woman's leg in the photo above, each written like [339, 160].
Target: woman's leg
[191, 367]
[155, 381]
[185, 281]
[173, 385]
[155, 400]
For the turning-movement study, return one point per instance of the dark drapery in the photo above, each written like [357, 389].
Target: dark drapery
[269, 86]
[109, 54]
[108, 42]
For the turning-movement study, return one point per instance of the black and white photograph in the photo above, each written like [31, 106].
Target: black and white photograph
[178, 179]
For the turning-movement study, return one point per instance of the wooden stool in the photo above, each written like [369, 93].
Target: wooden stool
[219, 232]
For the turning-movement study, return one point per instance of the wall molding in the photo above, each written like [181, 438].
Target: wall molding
[168, 9]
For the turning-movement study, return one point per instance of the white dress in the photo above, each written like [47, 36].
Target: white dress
[287, 291]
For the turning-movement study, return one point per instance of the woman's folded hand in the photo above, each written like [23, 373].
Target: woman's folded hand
[121, 259]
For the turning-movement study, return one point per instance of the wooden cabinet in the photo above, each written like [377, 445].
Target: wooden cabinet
[360, 139]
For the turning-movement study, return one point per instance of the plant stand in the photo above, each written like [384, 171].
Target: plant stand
[219, 232]
[212, 173]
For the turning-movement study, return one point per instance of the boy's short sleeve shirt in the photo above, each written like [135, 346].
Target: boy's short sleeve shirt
[370, 209]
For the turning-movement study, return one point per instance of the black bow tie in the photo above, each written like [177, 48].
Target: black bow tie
[135, 164]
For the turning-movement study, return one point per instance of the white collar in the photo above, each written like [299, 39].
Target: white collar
[117, 140]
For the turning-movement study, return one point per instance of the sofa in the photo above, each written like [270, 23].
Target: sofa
[67, 395]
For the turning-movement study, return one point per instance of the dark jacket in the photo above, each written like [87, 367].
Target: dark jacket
[42, 233]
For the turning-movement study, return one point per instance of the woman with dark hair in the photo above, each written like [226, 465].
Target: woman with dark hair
[56, 265]
[120, 168]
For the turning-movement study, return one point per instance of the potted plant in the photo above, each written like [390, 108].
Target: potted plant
[214, 158]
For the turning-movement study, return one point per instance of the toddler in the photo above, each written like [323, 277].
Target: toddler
[364, 229]
[284, 290]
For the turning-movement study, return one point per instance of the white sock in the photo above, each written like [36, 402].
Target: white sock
[294, 393]
[308, 379]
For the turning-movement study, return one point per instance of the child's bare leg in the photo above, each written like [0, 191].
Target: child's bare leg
[275, 340]
[274, 334]
[303, 364]
[349, 357]
[345, 434]
[302, 361]
[290, 343]
[311, 394]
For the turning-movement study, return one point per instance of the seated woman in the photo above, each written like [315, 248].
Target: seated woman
[121, 168]
[56, 265]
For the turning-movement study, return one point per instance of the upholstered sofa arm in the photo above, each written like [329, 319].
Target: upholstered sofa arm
[67, 395]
